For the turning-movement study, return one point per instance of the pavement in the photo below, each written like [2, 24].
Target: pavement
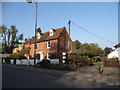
[83, 77]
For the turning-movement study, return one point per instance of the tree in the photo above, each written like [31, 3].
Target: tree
[10, 38]
[91, 49]
[25, 50]
[77, 44]
[108, 50]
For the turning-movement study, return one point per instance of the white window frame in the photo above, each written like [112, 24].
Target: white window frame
[51, 32]
[48, 55]
[38, 36]
[48, 44]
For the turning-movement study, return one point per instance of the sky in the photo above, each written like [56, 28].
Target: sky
[100, 18]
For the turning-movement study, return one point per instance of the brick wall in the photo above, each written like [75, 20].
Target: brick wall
[42, 46]
[63, 43]
[56, 46]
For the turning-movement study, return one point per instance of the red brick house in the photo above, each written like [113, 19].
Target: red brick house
[53, 41]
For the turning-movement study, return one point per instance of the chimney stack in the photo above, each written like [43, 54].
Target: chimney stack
[38, 30]
[25, 40]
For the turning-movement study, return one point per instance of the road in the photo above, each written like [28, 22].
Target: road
[41, 78]
[13, 78]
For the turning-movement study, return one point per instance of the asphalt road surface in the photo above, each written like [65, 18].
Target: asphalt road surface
[14, 76]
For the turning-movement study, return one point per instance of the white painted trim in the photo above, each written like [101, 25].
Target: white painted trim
[48, 45]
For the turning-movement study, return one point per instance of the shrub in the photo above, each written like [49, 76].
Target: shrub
[44, 63]
[76, 57]
[104, 58]
[85, 58]
[114, 58]
[96, 59]
[17, 56]
[81, 60]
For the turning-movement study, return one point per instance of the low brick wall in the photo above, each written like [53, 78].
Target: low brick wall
[112, 63]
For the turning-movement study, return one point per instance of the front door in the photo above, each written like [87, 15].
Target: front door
[41, 55]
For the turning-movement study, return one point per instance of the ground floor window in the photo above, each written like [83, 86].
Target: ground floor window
[52, 55]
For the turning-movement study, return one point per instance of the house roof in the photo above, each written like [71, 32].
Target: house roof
[118, 45]
[45, 36]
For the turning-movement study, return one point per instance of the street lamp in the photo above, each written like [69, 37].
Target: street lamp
[36, 4]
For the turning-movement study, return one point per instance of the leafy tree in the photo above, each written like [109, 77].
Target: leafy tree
[91, 49]
[25, 50]
[77, 44]
[108, 50]
[17, 55]
[10, 38]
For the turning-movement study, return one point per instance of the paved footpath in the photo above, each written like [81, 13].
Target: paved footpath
[83, 77]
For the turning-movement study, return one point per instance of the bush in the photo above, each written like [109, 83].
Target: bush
[44, 63]
[81, 60]
[104, 58]
[85, 58]
[96, 59]
[76, 57]
[17, 56]
[114, 58]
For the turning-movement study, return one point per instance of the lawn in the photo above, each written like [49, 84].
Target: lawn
[98, 63]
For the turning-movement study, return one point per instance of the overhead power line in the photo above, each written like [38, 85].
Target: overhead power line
[93, 33]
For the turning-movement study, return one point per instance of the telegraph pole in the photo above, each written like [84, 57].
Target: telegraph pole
[69, 27]
[69, 34]
[36, 17]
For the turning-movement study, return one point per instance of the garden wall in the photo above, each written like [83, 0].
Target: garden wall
[112, 63]
[30, 61]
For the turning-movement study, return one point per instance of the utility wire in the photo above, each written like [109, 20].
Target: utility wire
[93, 33]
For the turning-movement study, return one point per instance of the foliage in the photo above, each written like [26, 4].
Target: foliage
[60, 66]
[98, 63]
[85, 58]
[108, 50]
[80, 60]
[114, 58]
[17, 56]
[44, 63]
[104, 58]
[89, 49]
[77, 44]
[96, 59]
[92, 49]
[10, 39]
[76, 57]
[25, 50]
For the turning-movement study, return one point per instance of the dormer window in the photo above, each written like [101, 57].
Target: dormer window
[38, 35]
[51, 32]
